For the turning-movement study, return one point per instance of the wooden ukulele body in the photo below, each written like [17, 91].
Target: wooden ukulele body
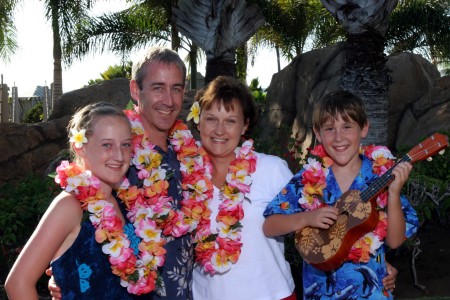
[327, 249]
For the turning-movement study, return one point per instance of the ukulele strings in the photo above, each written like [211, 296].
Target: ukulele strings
[380, 183]
[387, 177]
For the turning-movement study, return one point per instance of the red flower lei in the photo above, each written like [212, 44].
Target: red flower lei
[218, 252]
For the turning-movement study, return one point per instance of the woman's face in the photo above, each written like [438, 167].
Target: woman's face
[221, 130]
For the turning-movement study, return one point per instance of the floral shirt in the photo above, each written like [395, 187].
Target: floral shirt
[177, 270]
[351, 280]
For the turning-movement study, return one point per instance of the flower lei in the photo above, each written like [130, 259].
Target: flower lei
[150, 209]
[314, 180]
[136, 269]
[217, 252]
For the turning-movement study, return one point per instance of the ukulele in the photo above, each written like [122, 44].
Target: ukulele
[327, 249]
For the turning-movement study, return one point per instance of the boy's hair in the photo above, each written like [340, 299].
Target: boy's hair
[87, 116]
[222, 90]
[340, 103]
[156, 54]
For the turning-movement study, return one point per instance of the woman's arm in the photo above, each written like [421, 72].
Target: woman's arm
[61, 218]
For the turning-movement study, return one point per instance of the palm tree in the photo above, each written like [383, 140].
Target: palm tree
[219, 27]
[148, 22]
[421, 26]
[8, 43]
[365, 73]
[63, 16]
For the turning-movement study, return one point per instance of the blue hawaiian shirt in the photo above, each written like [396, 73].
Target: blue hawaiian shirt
[351, 280]
[177, 270]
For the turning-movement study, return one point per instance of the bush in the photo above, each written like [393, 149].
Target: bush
[23, 204]
[35, 114]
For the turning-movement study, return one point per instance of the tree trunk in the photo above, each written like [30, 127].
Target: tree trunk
[193, 64]
[241, 62]
[219, 66]
[57, 90]
[366, 75]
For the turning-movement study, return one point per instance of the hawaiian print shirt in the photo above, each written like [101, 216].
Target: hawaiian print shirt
[350, 281]
[177, 270]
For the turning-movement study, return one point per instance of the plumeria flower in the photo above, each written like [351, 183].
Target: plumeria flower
[195, 113]
[78, 137]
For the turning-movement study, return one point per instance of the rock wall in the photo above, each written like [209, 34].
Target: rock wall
[418, 97]
[30, 148]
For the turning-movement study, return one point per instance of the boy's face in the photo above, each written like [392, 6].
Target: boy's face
[341, 140]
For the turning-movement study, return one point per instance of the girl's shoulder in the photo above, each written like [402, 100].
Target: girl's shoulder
[66, 202]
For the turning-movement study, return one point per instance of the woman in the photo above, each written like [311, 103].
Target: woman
[234, 260]
[84, 213]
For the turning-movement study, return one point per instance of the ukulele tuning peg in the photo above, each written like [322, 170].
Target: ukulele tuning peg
[429, 159]
[442, 151]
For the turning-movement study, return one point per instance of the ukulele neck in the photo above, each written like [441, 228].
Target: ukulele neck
[379, 184]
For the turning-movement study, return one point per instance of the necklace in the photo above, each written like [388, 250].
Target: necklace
[217, 252]
[314, 180]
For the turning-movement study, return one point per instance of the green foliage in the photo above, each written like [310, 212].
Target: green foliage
[258, 93]
[23, 204]
[438, 168]
[116, 71]
[433, 178]
[421, 26]
[35, 114]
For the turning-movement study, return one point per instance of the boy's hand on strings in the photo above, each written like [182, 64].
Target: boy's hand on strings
[401, 173]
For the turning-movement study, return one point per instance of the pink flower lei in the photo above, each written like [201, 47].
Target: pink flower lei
[150, 208]
[217, 252]
[314, 182]
[136, 272]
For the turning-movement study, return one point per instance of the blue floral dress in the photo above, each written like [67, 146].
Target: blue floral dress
[84, 272]
[351, 280]
[177, 270]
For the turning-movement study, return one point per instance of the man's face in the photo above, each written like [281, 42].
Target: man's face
[160, 100]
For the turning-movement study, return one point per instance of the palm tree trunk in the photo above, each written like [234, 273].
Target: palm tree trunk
[217, 66]
[241, 62]
[277, 50]
[366, 75]
[57, 90]
[193, 64]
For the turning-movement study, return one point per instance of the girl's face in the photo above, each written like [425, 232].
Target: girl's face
[341, 140]
[108, 150]
[221, 130]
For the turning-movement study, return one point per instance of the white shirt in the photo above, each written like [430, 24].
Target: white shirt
[261, 273]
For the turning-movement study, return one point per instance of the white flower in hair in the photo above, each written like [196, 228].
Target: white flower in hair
[78, 137]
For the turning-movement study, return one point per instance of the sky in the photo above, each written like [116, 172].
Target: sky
[32, 64]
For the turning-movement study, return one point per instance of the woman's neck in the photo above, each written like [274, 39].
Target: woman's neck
[220, 167]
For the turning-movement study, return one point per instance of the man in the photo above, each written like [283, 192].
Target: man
[157, 85]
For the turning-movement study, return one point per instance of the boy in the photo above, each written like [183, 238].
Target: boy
[339, 123]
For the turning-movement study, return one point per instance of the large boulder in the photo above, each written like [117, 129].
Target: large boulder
[116, 91]
[418, 97]
[28, 148]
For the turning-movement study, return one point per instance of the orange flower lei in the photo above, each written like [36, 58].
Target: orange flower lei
[217, 252]
[136, 269]
[314, 180]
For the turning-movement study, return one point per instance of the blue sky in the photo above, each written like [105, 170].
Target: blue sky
[32, 65]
